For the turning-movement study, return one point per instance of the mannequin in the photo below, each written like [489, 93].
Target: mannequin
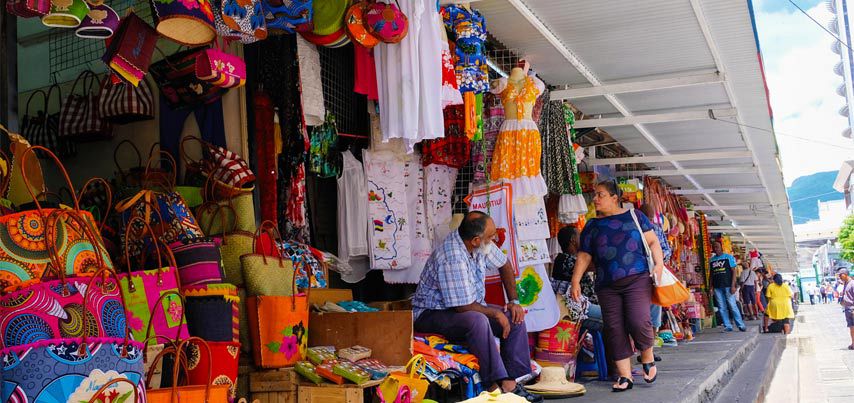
[517, 78]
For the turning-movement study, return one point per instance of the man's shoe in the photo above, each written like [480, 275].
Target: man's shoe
[742, 329]
[729, 329]
[522, 392]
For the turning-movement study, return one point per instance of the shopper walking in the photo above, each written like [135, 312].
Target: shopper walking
[822, 289]
[811, 293]
[748, 291]
[779, 305]
[724, 283]
[612, 243]
[847, 301]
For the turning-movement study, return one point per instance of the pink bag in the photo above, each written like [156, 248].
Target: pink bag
[386, 22]
[221, 69]
[28, 8]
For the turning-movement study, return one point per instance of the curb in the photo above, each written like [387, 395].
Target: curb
[711, 386]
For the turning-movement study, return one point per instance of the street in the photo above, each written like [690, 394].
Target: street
[816, 365]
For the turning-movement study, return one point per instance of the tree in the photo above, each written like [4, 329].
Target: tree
[846, 239]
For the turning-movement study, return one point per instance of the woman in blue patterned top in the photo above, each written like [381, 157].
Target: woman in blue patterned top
[613, 244]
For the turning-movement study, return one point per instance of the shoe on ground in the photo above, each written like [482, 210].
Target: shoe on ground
[728, 329]
[742, 329]
[522, 392]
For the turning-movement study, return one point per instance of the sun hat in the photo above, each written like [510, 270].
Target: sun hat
[553, 382]
[329, 16]
[65, 13]
[188, 22]
[101, 22]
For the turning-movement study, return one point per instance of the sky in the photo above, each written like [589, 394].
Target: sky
[799, 71]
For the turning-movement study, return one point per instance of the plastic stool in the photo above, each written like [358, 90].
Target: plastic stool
[600, 363]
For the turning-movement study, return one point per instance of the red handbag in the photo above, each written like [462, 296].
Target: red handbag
[222, 361]
[130, 50]
[28, 8]
[221, 69]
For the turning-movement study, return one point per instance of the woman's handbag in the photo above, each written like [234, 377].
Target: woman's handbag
[80, 118]
[198, 261]
[213, 312]
[28, 8]
[152, 295]
[289, 15]
[220, 367]
[65, 13]
[176, 77]
[386, 22]
[221, 69]
[391, 387]
[203, 392]
[668, 289]
[123, 103]
[265, 274]
[355, 25]
[188, 22]
[130, 50]
[278, 328]
[100, 23]
[223, 173]
[232, 214]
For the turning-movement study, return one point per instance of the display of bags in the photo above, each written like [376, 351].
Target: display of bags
[122, 103]
[198, 261]
[222, 173]
[265, 274]
[386, 22]
[151, 295]
[28, 8]
[80, 118]
[41, 128]
[201, 392]
[221, 69]
[188, 22]
[65, 13]
[213, 312]
[176, 77]
[391, 387]
[101, 22]
[130, 50]
[278, 328]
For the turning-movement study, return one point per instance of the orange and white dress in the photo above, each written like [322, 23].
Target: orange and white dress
[518, 149]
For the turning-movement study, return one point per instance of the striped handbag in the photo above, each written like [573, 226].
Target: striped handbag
[122, 102]
[80, 118]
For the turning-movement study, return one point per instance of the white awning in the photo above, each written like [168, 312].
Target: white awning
[843, 175]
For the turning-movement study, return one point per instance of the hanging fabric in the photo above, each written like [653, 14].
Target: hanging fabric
[420, 245]
[265, 154]
[390, 240]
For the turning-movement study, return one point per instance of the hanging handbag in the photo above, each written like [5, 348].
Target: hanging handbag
[355, 25]
[386, 22]
[392, 386]
[241, 20]
[278, 328]
[219, 68]
[220, 367]
[80, 119]
[130, 49]
[668, 289]
[289, 15]
[264, 274]
[204, 392]
[188, 22]
[41, 128]
[175, 75]
[233, 214]
[198, 261]
[100, 23]
[65, 13]
[142, 291]
[213, 312]
[222, 173]
[123, 103]
[28, 8]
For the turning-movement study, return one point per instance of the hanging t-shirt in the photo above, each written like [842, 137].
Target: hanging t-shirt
[614, 242]
[352, 209]
[721, 270]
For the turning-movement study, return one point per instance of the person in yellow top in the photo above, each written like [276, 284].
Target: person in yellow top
[779, 304]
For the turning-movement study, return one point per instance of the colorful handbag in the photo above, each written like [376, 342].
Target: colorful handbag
[24, 252]
[198, 261]
[123, 103]
[289, 15]
[220, 366]
[278, 328]
[386, 22]
[206, 391]
[65, 13]
[234, 214]
[151, 296]
[188, 22]
[242, 20]
[213, 312]
[130, 49]
[176, 77]
[221, 69]
[28, 8]
[221, 173]
[101, 22]
[354, 22]
[267, 275]
[234, 245]
[391, 387]
[561, 338]
[80, 118]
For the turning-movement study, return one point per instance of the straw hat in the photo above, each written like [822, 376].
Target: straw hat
[553, 382]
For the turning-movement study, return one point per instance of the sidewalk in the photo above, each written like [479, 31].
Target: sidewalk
[692, 372]
[816, 365]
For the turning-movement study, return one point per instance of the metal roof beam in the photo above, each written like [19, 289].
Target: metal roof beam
[637, 86]
[647, 159]
[706, 114]
[719, 191]
[690, 171]
[730, 207]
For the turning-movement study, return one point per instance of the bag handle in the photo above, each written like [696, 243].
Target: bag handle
[96, 398]
[146, 228]
[269, 228]
[30, 99]
[216, 212]
[32, 152]
[185, 158]
[85, 75]
[121, 171]
[7, 176]
[179, 351]
[416, 365]
[109, 198]
[157, 304]
[647, 251]
[168, 181]
[48, 97]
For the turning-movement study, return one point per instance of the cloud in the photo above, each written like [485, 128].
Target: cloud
[799, 69]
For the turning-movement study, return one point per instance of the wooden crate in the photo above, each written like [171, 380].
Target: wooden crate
[330, 393]
[274, 386]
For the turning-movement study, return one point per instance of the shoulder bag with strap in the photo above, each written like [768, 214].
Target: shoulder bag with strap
[668, 289]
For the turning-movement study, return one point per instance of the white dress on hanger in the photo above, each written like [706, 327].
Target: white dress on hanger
[352, 209]
[410, 78]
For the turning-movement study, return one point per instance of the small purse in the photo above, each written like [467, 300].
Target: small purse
[101, 22]
[28, 8]
[176, 77]
[354, 21]
[80, 118]
[221, 69]
[386, 22]
[241, 20]
[65, 13]
[390, 389]
[264, 274]
[130, 50]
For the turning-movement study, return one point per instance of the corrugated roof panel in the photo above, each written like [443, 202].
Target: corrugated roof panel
[710, 96]
[594, 106]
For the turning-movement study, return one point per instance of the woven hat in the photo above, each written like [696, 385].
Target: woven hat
[334, 40]
[188, 22]
[329, 16]
[101, 22]
[65, 13]
[355, 24]
[553, 381]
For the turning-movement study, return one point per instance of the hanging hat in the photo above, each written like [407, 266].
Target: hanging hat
[65, 13]
[553, 383]
[329, 16]
[334, 40]
[355, 25]
[188, 22]
[101, 22]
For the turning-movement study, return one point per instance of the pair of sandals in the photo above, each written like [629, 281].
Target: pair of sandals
[629, 383]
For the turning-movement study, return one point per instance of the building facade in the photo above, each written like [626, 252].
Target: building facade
[842, 25]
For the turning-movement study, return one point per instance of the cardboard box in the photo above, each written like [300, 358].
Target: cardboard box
[387, 333]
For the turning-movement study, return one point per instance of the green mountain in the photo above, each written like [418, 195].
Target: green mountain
[807, 191]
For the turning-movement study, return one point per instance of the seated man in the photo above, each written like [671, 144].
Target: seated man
[450, 302]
